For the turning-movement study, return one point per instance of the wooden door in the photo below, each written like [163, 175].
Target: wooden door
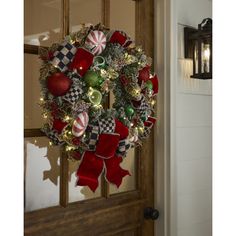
[53, 206]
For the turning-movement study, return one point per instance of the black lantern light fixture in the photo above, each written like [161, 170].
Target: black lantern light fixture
[198, 46]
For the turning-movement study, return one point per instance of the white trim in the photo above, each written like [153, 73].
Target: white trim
[166, 66]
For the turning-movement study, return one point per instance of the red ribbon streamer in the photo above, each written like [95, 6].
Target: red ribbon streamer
[93, 163]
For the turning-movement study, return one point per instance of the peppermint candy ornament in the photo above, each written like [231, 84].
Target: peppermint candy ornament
[96, 41]
[134, 138]
[80, 124]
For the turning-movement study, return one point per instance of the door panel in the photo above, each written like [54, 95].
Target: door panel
[42, 32]
[108, 211]
[41, 174]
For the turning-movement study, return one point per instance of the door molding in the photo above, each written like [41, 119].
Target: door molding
[165, 28]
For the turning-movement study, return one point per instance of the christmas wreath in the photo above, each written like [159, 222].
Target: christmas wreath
[76, 78]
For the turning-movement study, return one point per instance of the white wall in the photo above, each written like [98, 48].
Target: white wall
[193, 132]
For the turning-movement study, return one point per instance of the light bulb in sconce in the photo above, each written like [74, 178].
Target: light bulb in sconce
[206, 54]
[206, 58]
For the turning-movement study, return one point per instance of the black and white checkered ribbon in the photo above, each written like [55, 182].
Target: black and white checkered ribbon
[147, 131]
[123, 147]
[63, 56]
[91, 142]
[73, 94]
[53, 136]
[143, 109]
[107, 125]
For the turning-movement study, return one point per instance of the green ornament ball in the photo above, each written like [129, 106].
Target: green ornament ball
[149, 84]
[129, 111]
[91, 78]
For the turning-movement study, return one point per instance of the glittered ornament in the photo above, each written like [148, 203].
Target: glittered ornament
[58, 84]
[91, 78]
[96, 42]
[134, 91]
[124, 80]
[95, 97]
[149, 85]
[76, 141]
[129, 111]
[80, 124]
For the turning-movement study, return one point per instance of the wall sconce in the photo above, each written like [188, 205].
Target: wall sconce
[198, 46]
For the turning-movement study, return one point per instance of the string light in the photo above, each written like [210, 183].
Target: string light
[45, 116]
[50, 143]
[41, 99]
[67, 118]
[153, 102]
[141, 129]
[69, 148]
[35, 141]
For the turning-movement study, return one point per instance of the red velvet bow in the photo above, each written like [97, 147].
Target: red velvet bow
[83, 59]
[104, 157]
[121, 38]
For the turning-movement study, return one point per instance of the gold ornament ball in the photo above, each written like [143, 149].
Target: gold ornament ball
[95, 97]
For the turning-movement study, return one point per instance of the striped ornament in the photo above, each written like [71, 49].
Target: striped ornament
[96, 42]
[134, 138]
[80, 124]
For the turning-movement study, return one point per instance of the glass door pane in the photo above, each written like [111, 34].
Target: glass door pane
[120, 11]
[42, 173]
[42, 20]
[87, 12]
[32, 112]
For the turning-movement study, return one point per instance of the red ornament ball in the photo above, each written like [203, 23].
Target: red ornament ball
[76, 141]
[58, 84]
